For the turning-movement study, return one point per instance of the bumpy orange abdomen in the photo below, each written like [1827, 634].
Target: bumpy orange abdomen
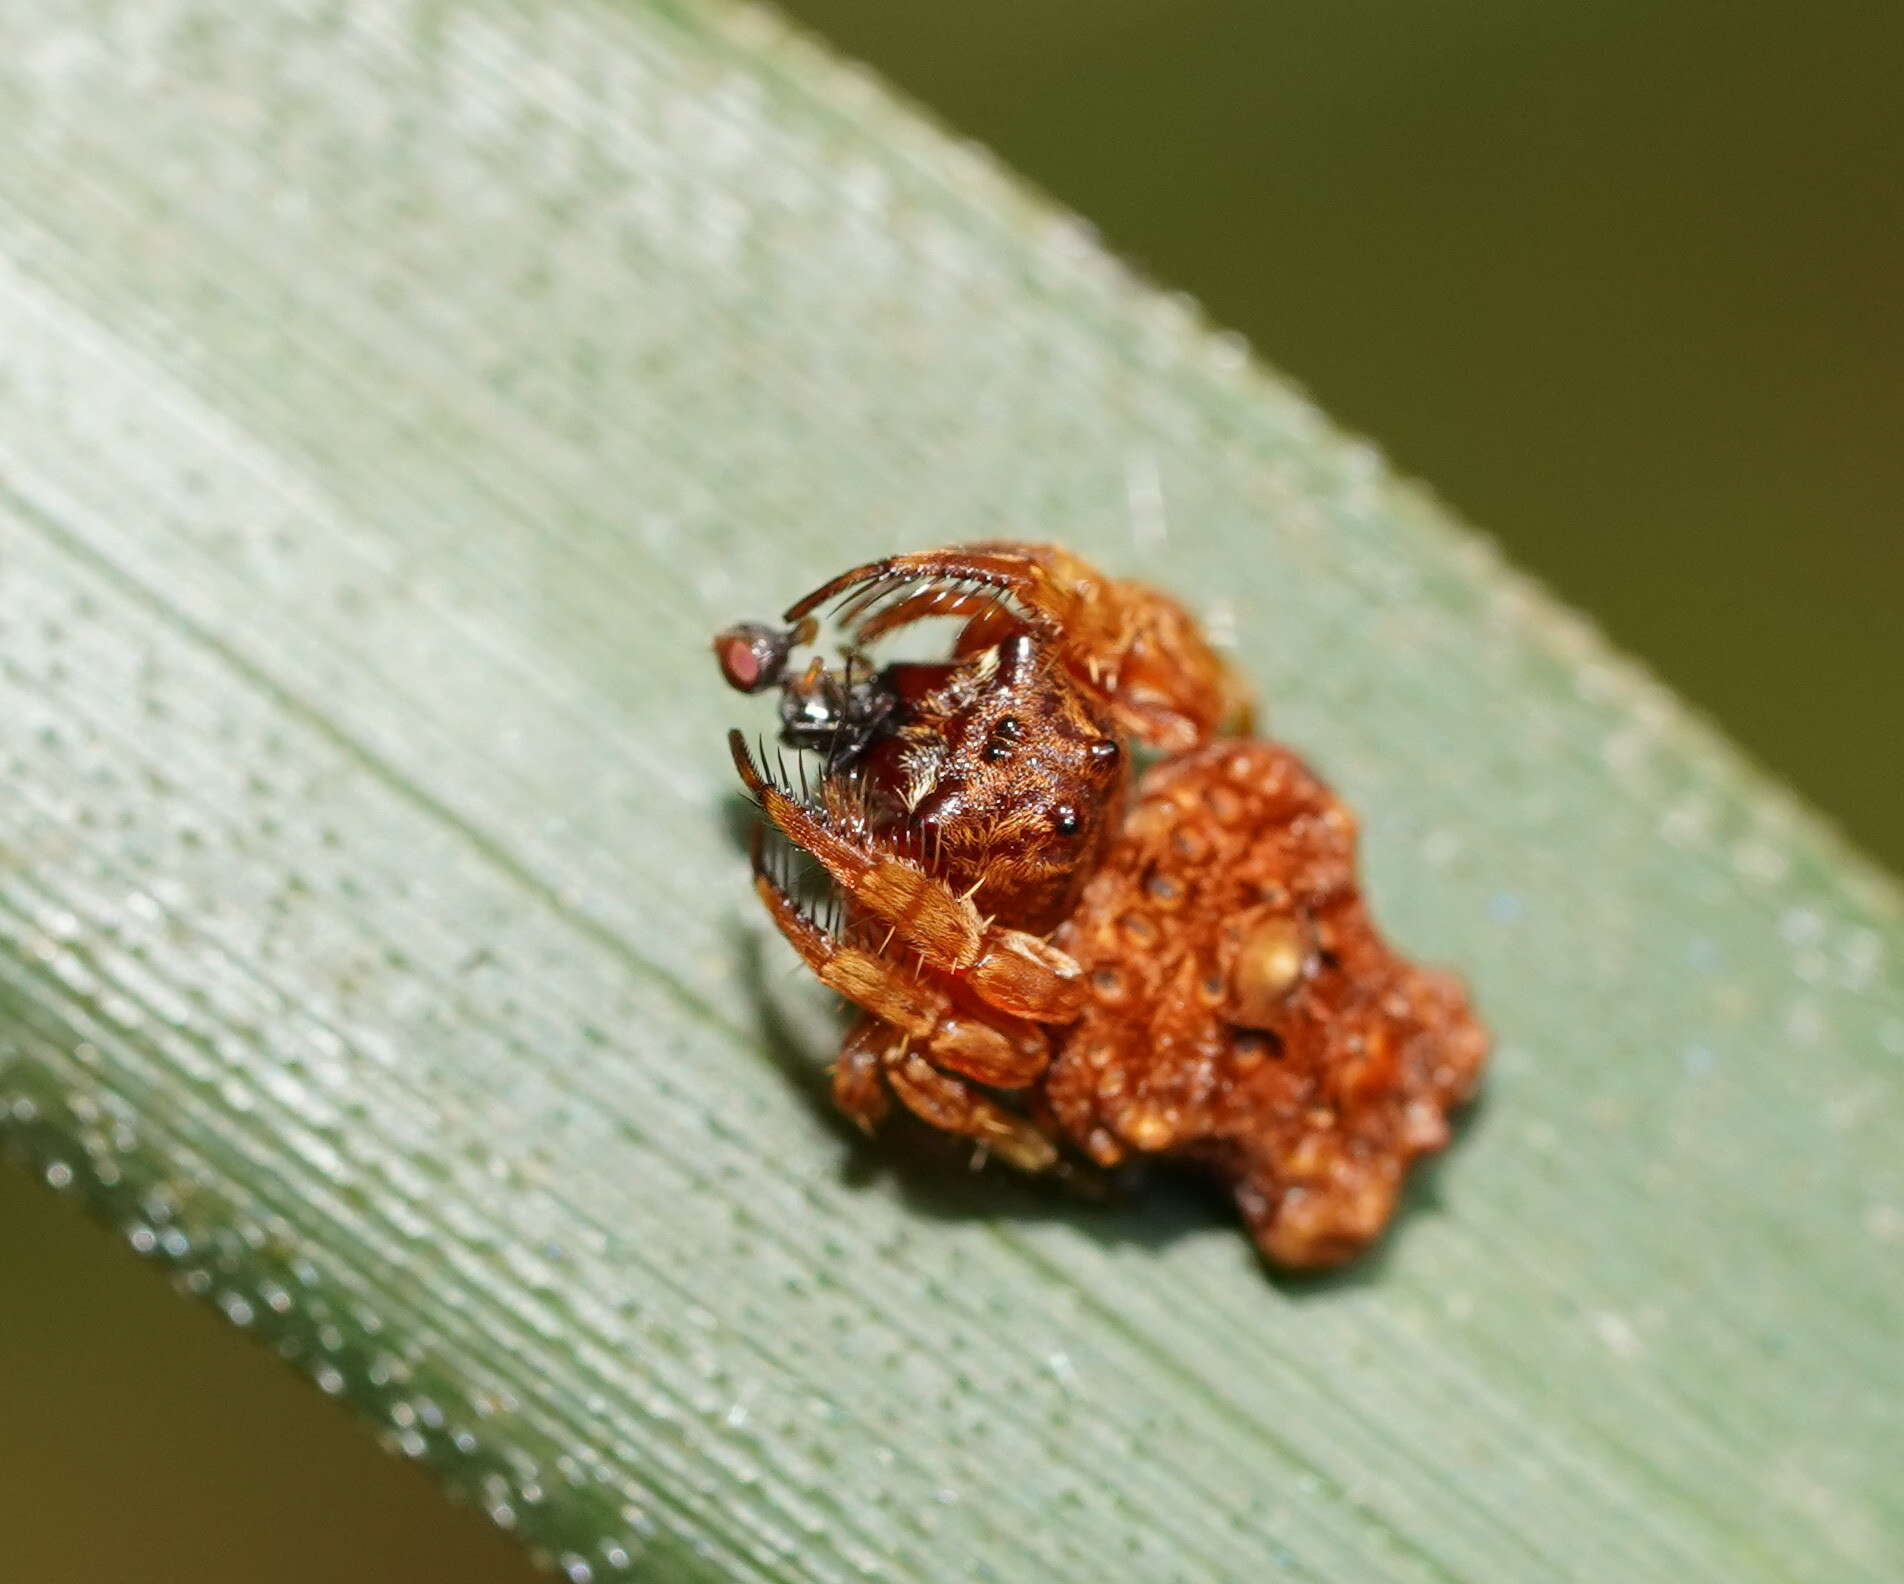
[1244, 1011]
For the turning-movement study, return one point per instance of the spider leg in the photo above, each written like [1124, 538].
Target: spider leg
[1018, 973]
[1140, 651]
[859, 1089]
[1014, 568]
[1005, 1052]
[951, 1103]
[934, 600]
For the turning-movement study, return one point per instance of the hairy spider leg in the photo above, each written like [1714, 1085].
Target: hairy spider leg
[949, 1102]
[937, 600]
[1139, 650]
[1002, 564]
[1006, 1052]
[859, 1083]
[1017, 973]
[876, 1063]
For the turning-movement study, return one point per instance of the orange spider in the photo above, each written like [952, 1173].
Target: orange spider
[1053, 966]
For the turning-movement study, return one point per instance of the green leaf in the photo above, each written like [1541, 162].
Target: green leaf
[392, 398]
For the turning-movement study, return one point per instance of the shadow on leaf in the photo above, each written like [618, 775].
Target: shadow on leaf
[1150, 1206]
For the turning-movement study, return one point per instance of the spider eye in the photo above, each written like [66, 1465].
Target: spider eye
[1105, 749]
[999, 745]
[1065, 821]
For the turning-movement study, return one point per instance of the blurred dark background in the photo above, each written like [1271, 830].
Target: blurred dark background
[1620, 280]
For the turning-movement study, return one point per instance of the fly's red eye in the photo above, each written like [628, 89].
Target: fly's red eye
[752, 656]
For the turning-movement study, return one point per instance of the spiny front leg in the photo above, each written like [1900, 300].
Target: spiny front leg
[1011, 970]
[1004, 1052]
[1137, 649]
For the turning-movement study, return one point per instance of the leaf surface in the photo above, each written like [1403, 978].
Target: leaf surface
[393, 397]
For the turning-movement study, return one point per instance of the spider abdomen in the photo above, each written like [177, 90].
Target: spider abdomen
[1245, 1012]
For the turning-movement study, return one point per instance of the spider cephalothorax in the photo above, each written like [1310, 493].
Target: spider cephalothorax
[1057, 967]
[1006, 781]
